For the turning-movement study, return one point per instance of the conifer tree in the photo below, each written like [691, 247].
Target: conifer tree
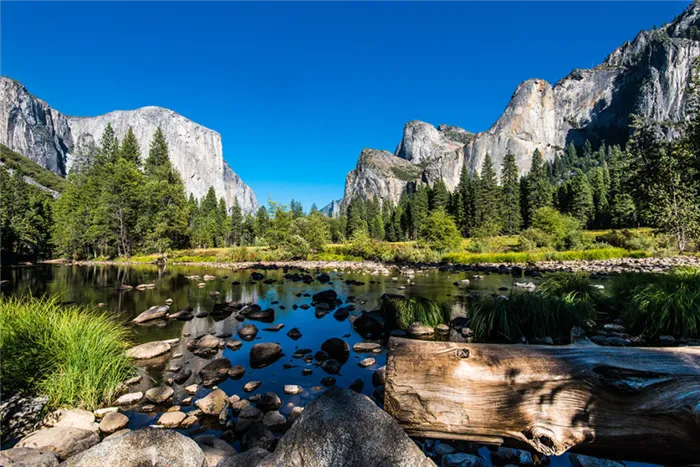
[109, 146]
[438, 196]
[158, 153]
[511, 216]
[236, 223]
[581, 198]
[539, 192]
[130, 149]
[488, 200]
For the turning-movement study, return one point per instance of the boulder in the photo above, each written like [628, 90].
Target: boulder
[269, 401]
[215, 371]
[113, 422]
[294, 333]
[264, 354]
[74, 418]
[154, 312]
[259, 436]
[275, 421]
[341, 427]
[214, 449]
[20, 414]
[148, 350]
[150, 447]
[236, 372]
[64, 441]
[208, 342]
[327, 296]
[250, 458]
[331, 366]
[337, 349]
[420, 329]
[27, 457]
[578, 460]
[267, 315]
[214, 403]
[129, 399]
[172, 419]
[248, 332]
[460, 459]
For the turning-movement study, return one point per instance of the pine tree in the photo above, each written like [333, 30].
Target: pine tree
[582, 207]
[130, 149]
[488, 200]
[109, 146]
[438, 196]
[313, 208]
[262, 221]
[599, 179]
[158, 153]
[418, 209]
[539, 192]
[236, 223]
[511, 216]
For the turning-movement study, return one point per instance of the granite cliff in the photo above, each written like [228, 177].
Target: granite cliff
[648, 76]
[31, 127]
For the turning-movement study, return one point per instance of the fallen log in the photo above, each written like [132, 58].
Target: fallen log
[624, 403]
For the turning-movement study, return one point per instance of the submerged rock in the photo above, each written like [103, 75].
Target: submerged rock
[341, 427]
[264, 354]
[215, 371]
[337, 349]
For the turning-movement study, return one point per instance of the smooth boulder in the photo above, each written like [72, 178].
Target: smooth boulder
[264, 354]
[341, 427]
[148, 350]
[215, 371]
[150, 447]
[249, 458]
[64, 441]
[27, 457]
[154, 312]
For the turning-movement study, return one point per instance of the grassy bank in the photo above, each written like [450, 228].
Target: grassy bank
[74, 355]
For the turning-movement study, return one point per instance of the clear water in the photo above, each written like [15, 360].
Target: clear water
[98, 284]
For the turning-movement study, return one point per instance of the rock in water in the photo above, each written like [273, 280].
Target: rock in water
[64, 441]
[341, 427]
[154, 312]
[264, 354]
[147, 447]
[215, 371]
[337, 349]
[148, 350]
[213, 403]
[327, 296]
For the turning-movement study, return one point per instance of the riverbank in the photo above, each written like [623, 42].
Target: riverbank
[600, 267]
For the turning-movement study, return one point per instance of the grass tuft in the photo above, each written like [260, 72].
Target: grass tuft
[408, 310]
[74, 355]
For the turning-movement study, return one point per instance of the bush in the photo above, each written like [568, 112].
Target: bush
[532, 238]
[526, 314]
[405, 311]
[74, 355]
[629, 239]
[565, 231]
[440, 232]
[657, 304]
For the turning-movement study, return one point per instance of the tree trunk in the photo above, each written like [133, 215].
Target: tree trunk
[626, 403]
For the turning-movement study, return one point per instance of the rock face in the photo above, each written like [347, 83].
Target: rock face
[345, 428]
[332, 209]
[31, 127]
[648, 76]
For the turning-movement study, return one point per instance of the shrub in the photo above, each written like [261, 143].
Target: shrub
[565, 231]
[529, 315]
[440, 232]
[657, 304]
[534, 238]
[405, 311]
[74, 355]
[629, 239]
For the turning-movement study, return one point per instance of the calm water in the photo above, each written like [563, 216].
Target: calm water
[98, 284]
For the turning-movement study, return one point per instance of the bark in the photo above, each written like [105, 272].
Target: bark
[627, 403]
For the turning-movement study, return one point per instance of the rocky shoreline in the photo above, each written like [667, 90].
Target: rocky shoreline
[598, 267]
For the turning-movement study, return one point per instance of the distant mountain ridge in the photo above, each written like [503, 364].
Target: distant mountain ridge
[29, 126]
[648, 76]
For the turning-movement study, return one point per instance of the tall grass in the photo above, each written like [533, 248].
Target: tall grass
[525, 314]
[408, 310]
[657, 304]
[72, 354]
[528, 257]
[571, 287]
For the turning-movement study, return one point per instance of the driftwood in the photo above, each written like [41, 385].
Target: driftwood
[625, 403]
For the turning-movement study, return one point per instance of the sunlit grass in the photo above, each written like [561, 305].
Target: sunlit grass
[72, 354]
[408, 310]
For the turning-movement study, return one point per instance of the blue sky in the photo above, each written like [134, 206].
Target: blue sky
[298, 89]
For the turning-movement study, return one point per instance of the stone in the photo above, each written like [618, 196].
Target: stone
[461, 459]
[213, 403]
[366, 362]
[275, 421]
[172, 419]
[267, 315]
[292, 389]
[248, 332]
[249, 458]
[236, 372]
[146, 447]
[269, 401]
[208, 342]
[27, 457]
[189, 422]
[328, 381]
[264, 354]
[420, 329]
[238, 406]
[336, 349]
[362, 347]
[357, 385]
[362, 434]
[214, 449]
[192, 389]
[379, 376]
[331, 366]
[154, 312]
[579, 460]
[113, 422]
[327, 296]
[259, 436]
[294, 333]
[234, 344]
[442, 328]
[129, 399]
[148, 350]
[99, 413]
[64, 441]
[506, 456]
[159, 394]
[215, 371]
[74, 418]
[20, 413]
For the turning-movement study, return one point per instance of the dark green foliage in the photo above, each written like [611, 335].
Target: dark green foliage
[439, 232]
[538, 191]
[528, 315]
[571, 287]
[511, 217]
[31, 169]
[404, 311]
[487, 201]
[130, 149]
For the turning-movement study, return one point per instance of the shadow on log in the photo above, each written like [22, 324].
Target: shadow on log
[625, 403]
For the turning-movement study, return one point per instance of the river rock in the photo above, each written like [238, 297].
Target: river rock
[264, 354]
[172, 419]
[508, 456]
[579, 460]
[248, 332]
[267, 315]
[269, 401]
[154, 312]
[100, 413]
[420, 329]
[27, 457]
[129, 399]
[234, 344]
[148, 350]
[251, 386]
[215, 371]
[275, 421]
[147, 447]
[185, 314]
[74, 418]
[327, 296]
[368, 326]
[64, 441]
[294, 333]
[249, 458]
[331, 366]
[337, 349]
[292, 389]
[20, 414]
[208, 342]
[213, 403]
[214, 449]
[461, 459]
[365, 362]
[362, 434]
[236, 372]
[113, 422]
[379, 376]
[159, 394]
[259, 436]
[361, 347]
